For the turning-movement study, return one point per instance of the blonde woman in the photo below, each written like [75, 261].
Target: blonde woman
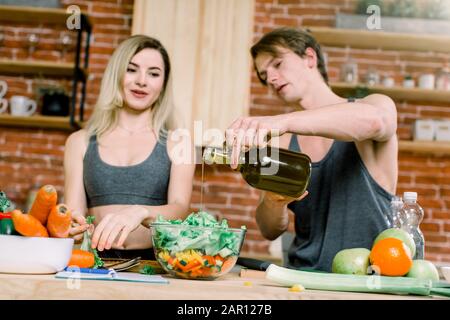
[120, 168]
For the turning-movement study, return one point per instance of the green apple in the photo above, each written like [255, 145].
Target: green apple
[423, 269]
[351, 261]
[398, 234]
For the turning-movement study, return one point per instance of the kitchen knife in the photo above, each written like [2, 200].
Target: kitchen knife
[254, 264]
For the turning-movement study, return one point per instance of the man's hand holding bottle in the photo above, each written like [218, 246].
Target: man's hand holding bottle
[279, 200]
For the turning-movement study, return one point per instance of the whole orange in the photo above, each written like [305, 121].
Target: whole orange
[392, 256]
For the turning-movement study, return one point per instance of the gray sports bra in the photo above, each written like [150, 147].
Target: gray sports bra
[145, 183]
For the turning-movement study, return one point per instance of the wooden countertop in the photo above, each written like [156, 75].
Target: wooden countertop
[250, 286]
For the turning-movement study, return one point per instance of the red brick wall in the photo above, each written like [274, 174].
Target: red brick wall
[35, 156]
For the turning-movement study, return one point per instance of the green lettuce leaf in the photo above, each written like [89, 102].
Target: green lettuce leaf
[212, 240]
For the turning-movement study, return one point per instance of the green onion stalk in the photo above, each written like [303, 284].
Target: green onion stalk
[86, 244]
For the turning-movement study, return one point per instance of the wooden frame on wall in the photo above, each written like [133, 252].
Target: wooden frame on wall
[208, 43]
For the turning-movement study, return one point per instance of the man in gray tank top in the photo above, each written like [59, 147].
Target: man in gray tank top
[352, 144]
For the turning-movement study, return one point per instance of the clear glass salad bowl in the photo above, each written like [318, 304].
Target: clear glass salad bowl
[195, 252]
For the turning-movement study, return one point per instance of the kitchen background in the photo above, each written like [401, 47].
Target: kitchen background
[32, 155]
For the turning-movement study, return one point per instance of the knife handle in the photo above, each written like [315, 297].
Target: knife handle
[254, 264]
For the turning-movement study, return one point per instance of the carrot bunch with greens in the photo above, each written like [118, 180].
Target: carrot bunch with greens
[17, 221]
[45, 218]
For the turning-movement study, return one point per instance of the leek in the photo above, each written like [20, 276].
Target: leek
[441, 291]
[347, 282]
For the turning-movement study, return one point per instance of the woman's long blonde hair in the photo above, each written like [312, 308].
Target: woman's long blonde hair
[110, 99]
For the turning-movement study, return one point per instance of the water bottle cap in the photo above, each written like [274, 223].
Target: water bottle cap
[396, 199]
[410, 196]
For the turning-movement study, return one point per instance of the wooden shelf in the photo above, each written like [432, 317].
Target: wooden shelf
[35, 14]
[396, 93]
[33, 67]
[63, 123]
[38, 121]
[425, 147]
[365, 39]
[37, 17]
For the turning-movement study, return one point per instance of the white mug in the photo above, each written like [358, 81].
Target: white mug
[3, 88]
[22, 106]
[3, 105]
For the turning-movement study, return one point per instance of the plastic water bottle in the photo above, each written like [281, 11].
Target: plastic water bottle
[411, 216]
[396, 207]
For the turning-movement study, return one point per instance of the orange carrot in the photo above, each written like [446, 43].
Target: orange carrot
[210, 260]
[228, 264]
[81, 259]
[202, 272]
[28, 225]
[45, 200]
[59, 220]
[190, 266]
[218, 257]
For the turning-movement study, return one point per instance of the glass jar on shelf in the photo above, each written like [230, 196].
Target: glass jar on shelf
[372, 77]
[388, 82]
[443, 79]
[349, 72]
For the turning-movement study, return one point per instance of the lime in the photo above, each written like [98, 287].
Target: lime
[423, 269]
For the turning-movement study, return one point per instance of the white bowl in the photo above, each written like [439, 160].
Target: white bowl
[34, 255]
[446, 273]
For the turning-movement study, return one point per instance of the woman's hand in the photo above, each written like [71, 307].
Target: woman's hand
[253, 132]
[123, 222]
[78, 227]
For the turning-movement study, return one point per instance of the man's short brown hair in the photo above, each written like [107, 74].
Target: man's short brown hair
[290, 38]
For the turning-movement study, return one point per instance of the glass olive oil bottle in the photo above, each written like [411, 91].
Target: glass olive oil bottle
[277, 170]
